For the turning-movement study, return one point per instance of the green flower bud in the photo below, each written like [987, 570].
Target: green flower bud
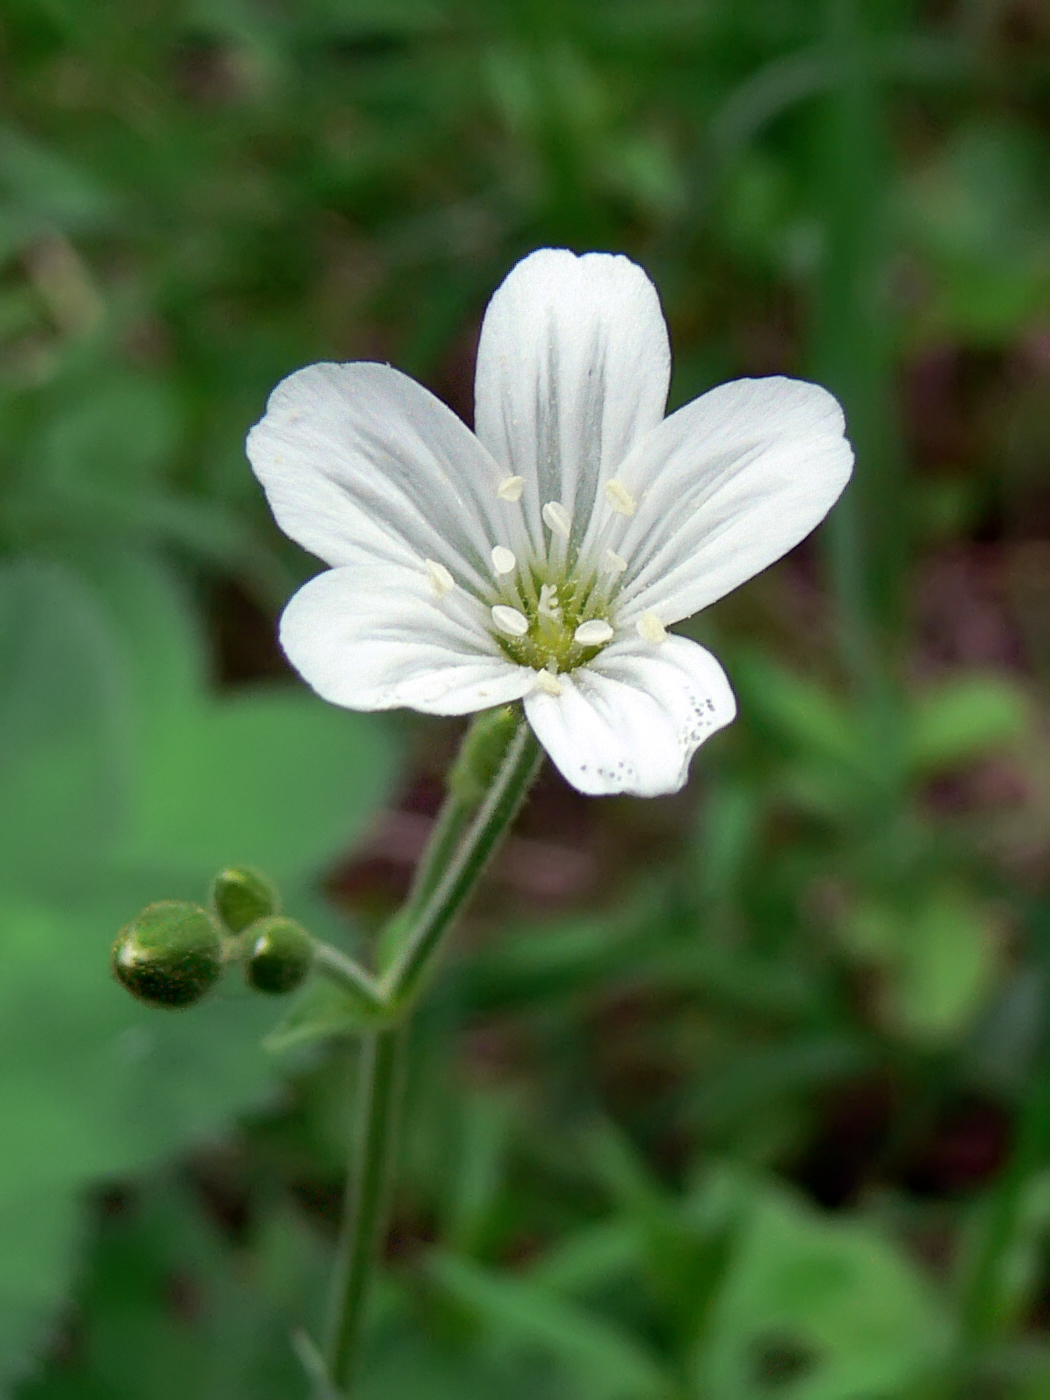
[170, 955]
[241, 896]
[279, 957]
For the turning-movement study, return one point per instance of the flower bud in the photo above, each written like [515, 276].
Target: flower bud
[170, 955]
[279, 956]
[241, 896]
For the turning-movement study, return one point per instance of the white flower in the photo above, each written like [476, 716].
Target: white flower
[543, 558]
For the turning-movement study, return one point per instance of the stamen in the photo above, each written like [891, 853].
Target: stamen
[510, 488]
[612, 563]
[510, 620]
[557, 519]
[548, 605]
[548, 683]
[440, 577]
[504, 560]
[593, 633]
[650, 628]
[621, 500]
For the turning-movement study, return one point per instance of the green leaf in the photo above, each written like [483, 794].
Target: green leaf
[964, 719]
[92, 1081]
[977, 211]
[94, 1085]
[38, 1226]
[126, 432]
[588, 1259]
[235, 1345]
[407, 1363]
[149, 611]
[121, 782]
[938, 953]
[271, 779]
[802, 713]
[519, 1316]
[818, 1309]
[64, 719]
[39, 190]
[484, 1141]
[322, 1010]
[947, 967]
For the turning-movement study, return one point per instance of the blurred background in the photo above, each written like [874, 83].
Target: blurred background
[738, 1095]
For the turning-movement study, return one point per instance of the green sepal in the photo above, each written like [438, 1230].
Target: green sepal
[242, 895]
[483, 750]
[170, 955]
[279, 956]
[323, 1011]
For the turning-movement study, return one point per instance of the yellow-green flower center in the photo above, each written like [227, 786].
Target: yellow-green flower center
[553, 626]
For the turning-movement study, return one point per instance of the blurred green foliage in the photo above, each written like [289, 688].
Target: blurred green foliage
[120, 777]
[762, 1110]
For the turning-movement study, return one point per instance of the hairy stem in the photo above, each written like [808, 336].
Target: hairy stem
[368, 1188]
[497, 811]
[465, 837]
[338, 967]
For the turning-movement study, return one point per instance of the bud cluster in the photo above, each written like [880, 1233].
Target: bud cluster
[174, 952]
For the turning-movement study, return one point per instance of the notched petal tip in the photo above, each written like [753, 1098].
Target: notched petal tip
[573, 368]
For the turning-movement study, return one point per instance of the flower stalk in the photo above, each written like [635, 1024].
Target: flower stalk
[495, 815]
[367, 1197]
[465, 838]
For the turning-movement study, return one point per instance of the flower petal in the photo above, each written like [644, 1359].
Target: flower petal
[379, 637]
[359, 457]
[632, 719]
[573, 368]
[726, 486]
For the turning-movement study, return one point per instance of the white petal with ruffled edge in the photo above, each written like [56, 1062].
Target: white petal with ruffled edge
[573, 369]
[359, 458]
[377, 637]
[631, 720]
[725, 487]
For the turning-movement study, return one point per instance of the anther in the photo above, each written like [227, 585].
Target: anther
[440, 577]
[510, 488]
[548, 605]
[503, 559]
[618, 496]
[548, 683]
[612, 563]
[593, 633]
[557, 519]
[510, 620]
[650, 628]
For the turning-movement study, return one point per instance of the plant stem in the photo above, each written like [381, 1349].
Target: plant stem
[449, 870]
[338, 967]
[452, 821]
[479, 842]
[477, 764]
[368, 1187]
